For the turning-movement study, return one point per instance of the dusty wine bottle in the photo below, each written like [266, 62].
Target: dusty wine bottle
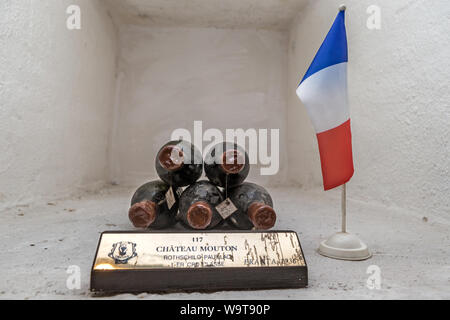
[227, 165]
[198, 206]
[179, 163]
[150, 207]
[254, 207]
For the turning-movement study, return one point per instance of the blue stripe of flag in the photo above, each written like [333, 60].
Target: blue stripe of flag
[333, 49]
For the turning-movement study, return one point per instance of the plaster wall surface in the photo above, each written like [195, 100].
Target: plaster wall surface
[56, 93]
[170, 77]
[399, 101]
[235, 14]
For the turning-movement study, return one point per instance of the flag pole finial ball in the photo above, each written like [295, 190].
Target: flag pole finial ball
[342, 7]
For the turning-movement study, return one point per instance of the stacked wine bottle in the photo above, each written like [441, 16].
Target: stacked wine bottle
[224, 199]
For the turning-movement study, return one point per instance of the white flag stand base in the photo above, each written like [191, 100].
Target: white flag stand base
[344, 246]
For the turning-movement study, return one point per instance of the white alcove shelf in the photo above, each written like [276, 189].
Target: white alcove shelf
[85, 111]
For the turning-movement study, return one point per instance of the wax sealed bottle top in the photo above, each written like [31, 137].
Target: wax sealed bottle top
[263, 216]
[171, 157]
[199, 215]
[142, 214]
[233, 161]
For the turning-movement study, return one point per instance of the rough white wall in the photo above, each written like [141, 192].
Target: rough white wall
[170, 77]
[399, 101]
[58, 97]
[56, 90]
[233, 14]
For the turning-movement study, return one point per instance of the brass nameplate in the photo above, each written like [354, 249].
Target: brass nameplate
[198, 260]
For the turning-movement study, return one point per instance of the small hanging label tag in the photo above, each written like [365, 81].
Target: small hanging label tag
[226, 208]
[170, 198]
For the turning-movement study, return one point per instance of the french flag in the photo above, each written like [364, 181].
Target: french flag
[323, 91]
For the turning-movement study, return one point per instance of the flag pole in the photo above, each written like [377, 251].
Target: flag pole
[343, 7]
[344, 245]
[344, 208]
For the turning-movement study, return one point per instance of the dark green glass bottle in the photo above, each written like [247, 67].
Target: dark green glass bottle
[227, 165]
[198, 206]
[255, 207]
[179, 163]
[149, 208]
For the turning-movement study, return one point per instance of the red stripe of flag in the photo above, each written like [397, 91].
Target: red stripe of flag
[335, 147]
